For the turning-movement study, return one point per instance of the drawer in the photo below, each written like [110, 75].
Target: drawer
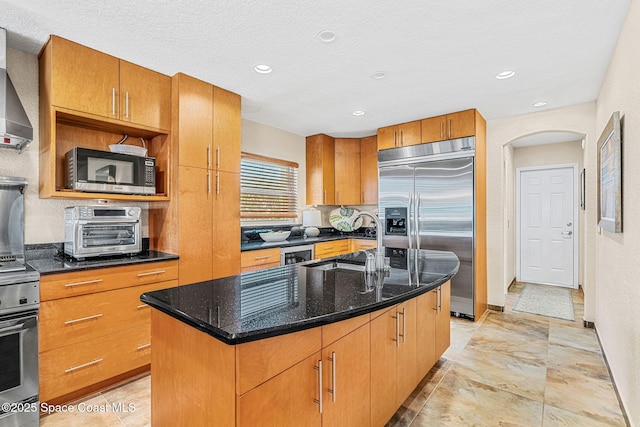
[362, 244]
[64, 285]
[76, 366]
[72, 320]
[260, 267]
[263, 256]
[333, 248]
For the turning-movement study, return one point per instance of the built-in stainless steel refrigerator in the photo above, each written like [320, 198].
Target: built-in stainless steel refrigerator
[427, 201]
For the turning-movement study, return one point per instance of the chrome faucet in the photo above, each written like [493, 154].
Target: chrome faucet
[379, 251]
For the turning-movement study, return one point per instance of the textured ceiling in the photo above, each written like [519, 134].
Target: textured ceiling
[439, 55]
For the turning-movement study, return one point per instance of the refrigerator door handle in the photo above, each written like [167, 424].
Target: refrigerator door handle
[417, 221]
[409, 231]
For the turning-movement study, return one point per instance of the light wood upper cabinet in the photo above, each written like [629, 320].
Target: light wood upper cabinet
[401, 135]
[449, 126]
[89, 81]
[226, 224]
[193, 120]
[320, 161]
[145, 96]
[369, 170]
[227, 125]
[347, 171]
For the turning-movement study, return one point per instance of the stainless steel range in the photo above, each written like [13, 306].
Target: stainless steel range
[19, 303]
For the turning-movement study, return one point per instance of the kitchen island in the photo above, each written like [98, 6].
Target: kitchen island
[317, 343]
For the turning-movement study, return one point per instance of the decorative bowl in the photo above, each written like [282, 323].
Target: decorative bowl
[275, 236]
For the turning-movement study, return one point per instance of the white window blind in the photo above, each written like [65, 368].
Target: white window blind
[268, 188]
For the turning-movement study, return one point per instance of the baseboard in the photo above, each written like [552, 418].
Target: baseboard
[613, 381]
[492, 307]
[513, 282]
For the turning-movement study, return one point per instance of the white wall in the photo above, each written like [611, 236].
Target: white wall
[617, 255]
[44, 218]
[500, 215]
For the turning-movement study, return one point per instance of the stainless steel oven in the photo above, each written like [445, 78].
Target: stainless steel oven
[296, 254]
[19, 303]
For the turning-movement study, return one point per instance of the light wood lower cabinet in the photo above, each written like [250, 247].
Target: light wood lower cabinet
[356, 372]
[443, 319]
[259, 259]
[89, 339]
[361, 244]
[332, 248]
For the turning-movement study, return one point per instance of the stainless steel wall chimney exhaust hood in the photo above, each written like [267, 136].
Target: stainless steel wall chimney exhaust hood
[15, 128]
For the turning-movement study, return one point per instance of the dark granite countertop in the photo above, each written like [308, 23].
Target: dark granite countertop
[47, 259]
[298, 241]
[291, 298]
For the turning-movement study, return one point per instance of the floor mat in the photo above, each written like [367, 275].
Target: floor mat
[548, 301]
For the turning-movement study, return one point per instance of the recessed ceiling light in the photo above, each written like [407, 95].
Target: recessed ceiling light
[379, 75]
[326, 36]
[358, 113]
[540, 104]
[505, 75]
[262, 69]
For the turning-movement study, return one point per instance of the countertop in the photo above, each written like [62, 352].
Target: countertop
[47, 262]
[291, 298]
[298, 241]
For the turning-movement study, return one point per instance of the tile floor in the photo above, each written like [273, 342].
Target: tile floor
[509, 369]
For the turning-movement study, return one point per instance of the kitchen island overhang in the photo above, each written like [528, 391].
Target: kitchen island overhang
[290, 298]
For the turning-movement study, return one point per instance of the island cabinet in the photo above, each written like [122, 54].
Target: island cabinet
[449, 126]
[93, 330]
[354, 372]
[89, 99]
[205, 197]
[401, 135]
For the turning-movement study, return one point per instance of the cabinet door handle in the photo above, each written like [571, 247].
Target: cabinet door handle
[113, 101]
[208, 155]
[397, 340]
[395, 138]
[217, 182]
[143, 346]
[401, 139]
[332, 390]
[319, 399]
[439, 293]
[449, 128]
[82, 319]
[126, 104]
[262, 257]
[324, 200]
[84, 365]
[142, 306]
[404, 324]
[88, 282]
[208, 183]
[218, 157]
[441, 129]
[151, 273]
[362, 197]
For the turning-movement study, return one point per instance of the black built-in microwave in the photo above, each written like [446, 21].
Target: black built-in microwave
[106, 172]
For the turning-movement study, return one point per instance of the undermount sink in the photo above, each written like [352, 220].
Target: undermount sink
[334, 265]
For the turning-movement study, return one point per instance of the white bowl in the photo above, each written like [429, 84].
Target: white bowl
[128, 149]
[275, 236]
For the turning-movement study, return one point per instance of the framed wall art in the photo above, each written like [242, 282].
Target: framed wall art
[610, 176]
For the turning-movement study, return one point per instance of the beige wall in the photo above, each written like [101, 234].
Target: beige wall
[501, 200]
[617, 255]
[44, 218]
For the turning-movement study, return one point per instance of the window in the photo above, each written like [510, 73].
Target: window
[268, 188]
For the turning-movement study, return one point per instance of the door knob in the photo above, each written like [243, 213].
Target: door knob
[567, 233]
[569, 224]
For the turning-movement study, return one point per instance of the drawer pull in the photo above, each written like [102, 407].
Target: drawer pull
[142, 306]
[75, 368]
[143, 346]
[262, 257]
[151, 273]
[82, 319]
[88, 282]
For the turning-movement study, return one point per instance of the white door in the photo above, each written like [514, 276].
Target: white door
[547, 214]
